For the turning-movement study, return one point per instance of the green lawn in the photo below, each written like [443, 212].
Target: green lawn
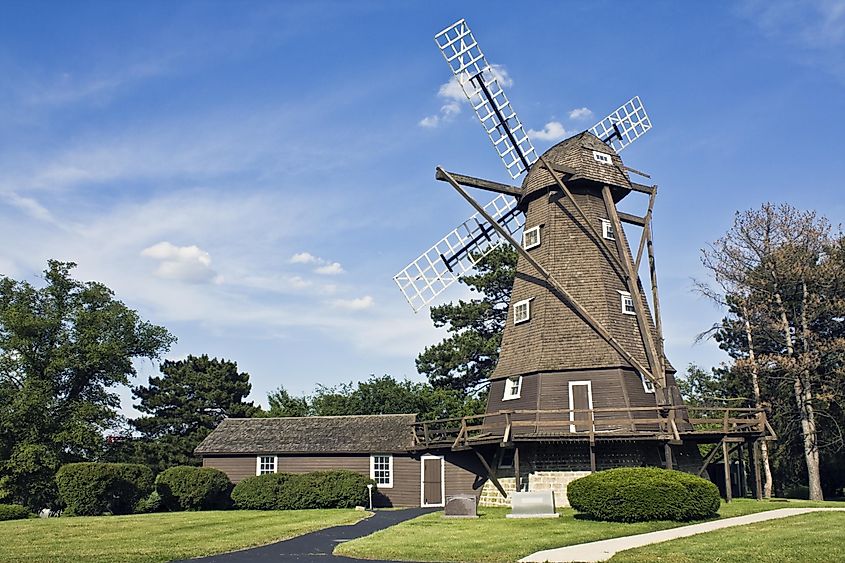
[493, 538]
[811, 537]
[157, 537]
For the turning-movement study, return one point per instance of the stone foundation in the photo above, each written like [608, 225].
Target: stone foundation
[556, 481]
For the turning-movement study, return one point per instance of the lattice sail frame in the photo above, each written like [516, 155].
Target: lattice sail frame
[630, 118]
[464, 56]
[429, 275]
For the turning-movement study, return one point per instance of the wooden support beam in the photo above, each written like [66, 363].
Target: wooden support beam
[726, 464]
[633, 286]
[655, 297]
[646, 229]
[742, 484]
[632, 219]
[637, 172]
[516, 471]
[563, 294]
[667, 452]
[592, 457]
[642, 188]
[754, 451]
[491, 474]
[480, 183]
[707, 460]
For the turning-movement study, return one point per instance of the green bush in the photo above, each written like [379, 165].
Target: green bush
[193, 488]
[151, 503]
[88, 489]
[638, 494]
[797, 492]
[285, 491]
[13, 512]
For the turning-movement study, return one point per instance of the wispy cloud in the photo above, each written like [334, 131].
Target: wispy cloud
[356, 304]
[183, 263]
[551, 131]
[324, 267]
[453, 96]
[331, 269]
[579, 114]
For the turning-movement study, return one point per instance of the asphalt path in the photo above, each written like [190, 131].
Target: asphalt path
[318, 546]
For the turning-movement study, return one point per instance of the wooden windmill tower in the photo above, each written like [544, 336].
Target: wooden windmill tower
[582, 360]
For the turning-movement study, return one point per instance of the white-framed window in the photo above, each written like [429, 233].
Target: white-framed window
[607, 229]
[627, 303]
[513, 388]
[381, 470]
[521, 311]
[604, 158]
[647, 384]
[531, 237]
[265, 464]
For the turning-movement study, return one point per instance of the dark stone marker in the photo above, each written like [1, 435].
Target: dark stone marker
[460, 506]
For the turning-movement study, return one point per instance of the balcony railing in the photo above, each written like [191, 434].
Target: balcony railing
[662, 423]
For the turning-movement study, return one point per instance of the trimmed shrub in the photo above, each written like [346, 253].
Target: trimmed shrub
[193, 488]
[797, 492]
[638, 494]
[13, 512]
[263, 492]
[89, 489]
[151, 503]
[285, 491]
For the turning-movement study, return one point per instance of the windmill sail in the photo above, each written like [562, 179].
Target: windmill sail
[457, 253]
[478, 79]
[624, 126]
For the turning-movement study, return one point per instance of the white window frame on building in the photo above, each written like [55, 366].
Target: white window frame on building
[607, 229]
[531, 238]
[516, 308]
[378, 470]
[513, 388]
[602, 157]
[648, 385]
[266, 464]
[626, 298]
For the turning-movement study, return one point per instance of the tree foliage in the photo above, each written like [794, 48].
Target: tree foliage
[63, 349]
[467, 356]
[185, 404]
[377, 395]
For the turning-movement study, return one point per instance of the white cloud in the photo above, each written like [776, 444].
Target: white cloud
[330, 269]
[28, 205]
[581, 113]
[183, 263]
[304, 258]
[453, 95]
[551, 131]
[357, 304]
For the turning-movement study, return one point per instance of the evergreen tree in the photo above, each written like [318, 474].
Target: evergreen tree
[185, 404]
[467, 356]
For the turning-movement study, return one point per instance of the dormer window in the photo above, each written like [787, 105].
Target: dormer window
[521, 311]
[627, 303]
[531, 237]
[607, 229]
[604, 158]
[513, 388]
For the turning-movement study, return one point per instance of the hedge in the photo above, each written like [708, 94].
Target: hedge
[638, 494]
[90, 489]
[193, 488]
[285, 491]
[13, 512]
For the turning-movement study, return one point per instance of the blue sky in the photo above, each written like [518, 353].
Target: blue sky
[251, 175]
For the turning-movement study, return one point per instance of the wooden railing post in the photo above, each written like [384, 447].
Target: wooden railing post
[425, 433]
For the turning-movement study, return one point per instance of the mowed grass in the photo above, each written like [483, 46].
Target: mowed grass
[493, 538]
[818, 537]
[158, 537]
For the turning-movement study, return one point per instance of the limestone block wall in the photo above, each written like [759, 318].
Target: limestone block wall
[537, 481]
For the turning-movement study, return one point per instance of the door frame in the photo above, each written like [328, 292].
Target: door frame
[589, 385]
[442, 480]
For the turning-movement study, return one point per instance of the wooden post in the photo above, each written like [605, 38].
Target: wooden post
[755, 462]
[592, 457]
[726, 462]
[655, 297]
[742, 484]
[516, 473]
[667, 451]
[491, 474]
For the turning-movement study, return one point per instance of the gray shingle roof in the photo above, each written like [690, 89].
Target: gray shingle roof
[388, 433]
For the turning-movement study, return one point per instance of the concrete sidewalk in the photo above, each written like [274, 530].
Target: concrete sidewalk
[605, 549]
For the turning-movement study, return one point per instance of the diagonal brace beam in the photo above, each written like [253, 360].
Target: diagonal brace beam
[566, 297]
[480, 183]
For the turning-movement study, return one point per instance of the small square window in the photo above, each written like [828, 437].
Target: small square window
[381, 470]
[513, 387]
[602, 157]
[521, 311]
[627, 303]
[647, 384]
[265, 464]
[607, 229]
[531, 237]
